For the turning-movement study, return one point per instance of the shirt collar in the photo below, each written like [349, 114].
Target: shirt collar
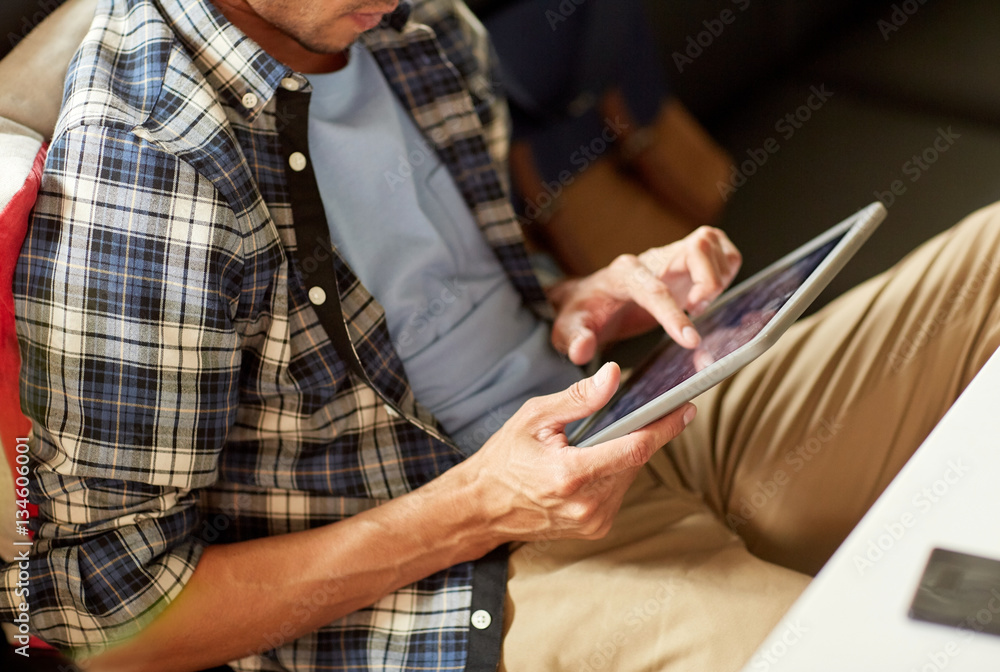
[234, 65]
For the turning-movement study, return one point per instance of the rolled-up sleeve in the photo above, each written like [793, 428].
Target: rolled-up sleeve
[110, 555]
[126, 294]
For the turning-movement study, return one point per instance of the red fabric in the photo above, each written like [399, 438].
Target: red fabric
[13, 226]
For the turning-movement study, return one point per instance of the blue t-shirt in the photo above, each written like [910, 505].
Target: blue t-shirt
[472, 351]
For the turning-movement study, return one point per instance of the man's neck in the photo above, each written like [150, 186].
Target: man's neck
[275, 42]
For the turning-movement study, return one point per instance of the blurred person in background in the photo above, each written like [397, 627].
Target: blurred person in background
[605, 160]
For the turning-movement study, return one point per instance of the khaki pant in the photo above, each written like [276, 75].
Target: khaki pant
[722, 531]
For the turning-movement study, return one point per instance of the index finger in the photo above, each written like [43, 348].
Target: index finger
[649, 292]
[712, 263]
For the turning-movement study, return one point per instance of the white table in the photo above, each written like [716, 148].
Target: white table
[853, 617]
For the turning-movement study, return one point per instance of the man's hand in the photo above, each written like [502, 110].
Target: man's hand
[525, 483]
[532, 485]
[634, 293]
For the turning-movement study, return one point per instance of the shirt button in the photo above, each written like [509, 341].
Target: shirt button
[391, 411]
[317, 296]
[249, 100]
[290, 84]
[297, 161]
[481, 619]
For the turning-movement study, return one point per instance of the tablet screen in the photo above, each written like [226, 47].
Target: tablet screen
[724, 328]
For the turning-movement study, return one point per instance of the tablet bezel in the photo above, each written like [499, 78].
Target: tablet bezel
[855, 230]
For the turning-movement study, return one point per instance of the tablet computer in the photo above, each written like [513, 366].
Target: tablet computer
[735, 329]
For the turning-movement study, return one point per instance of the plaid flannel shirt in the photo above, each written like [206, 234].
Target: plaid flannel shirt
[177, 298]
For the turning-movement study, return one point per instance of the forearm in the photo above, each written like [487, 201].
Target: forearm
[525, 484]
[248, 597]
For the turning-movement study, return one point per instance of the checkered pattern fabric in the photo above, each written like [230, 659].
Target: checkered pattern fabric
[182, 387]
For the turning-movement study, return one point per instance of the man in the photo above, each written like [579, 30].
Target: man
[243, 454]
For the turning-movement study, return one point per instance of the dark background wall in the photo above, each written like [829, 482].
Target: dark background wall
[900, 73]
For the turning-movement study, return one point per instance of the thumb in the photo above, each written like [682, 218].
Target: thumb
[576, 328]
[570, 334]
[580, 399]
[634, 449]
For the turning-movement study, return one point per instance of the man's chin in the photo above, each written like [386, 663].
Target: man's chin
[341, 43]
[365, 22]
